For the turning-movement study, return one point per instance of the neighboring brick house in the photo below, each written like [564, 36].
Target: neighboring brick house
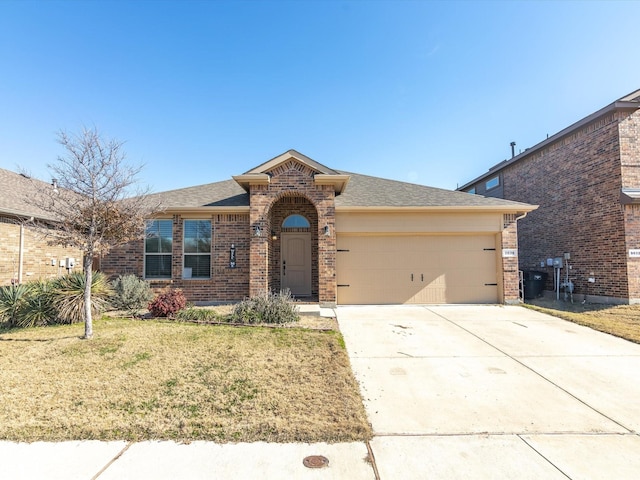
[586, 181]
[25, 254]
[328, 236]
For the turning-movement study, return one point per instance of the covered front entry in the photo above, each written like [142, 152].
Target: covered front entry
[294, 246]
[432, 269]
[296, 263]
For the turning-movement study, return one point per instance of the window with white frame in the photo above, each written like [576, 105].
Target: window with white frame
[197, 249]
[158, 246]
[492, 182]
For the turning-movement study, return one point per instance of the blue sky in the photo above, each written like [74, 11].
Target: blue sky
[420, 91]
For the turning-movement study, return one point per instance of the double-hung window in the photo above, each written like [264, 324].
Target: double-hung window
[158, 246]
[197, 249]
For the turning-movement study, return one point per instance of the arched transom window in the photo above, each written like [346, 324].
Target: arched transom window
[295, 221]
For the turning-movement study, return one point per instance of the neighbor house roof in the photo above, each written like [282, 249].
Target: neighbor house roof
[629, 102]
[15, 190]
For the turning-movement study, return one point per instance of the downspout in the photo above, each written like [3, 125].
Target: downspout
[21, 253]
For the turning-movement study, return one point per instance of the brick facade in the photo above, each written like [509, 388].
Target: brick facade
[576, 178]
[262, 199]
[509, 265]
[39, 259]
[270, 204]
[291, 190]
[226, 284]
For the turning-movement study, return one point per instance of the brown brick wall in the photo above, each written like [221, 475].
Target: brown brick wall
[37, 254]
[576, 181]
[509, 265]
[225, 285]
[629, 130]
[292, 179]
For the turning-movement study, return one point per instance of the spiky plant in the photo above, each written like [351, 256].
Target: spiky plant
[68, 296]
[12, 299]
[37, 308]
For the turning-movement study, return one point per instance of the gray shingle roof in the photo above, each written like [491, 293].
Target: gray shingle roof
[218, 194]
[366, 191]
[15, 189]
[361, 191]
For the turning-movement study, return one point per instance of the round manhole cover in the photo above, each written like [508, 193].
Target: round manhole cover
[315, 461]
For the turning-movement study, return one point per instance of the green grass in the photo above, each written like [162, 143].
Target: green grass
[620, 320]
[142, 380]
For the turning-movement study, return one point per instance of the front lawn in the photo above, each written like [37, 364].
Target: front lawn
[141, 380]
[619, 320]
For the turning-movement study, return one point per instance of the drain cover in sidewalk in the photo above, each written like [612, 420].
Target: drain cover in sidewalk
[315, 461]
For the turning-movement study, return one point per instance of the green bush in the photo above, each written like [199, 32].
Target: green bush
[130, 293]
[168, 303]
[68, 296]
[267, 308]
[38, 309]
[197, 315]
[12, 300]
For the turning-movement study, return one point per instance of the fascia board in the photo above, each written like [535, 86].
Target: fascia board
[338, 181]
[519, 209]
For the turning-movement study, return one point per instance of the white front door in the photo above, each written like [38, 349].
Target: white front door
[295, 267]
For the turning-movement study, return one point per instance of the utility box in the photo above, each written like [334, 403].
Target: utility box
[70, 263]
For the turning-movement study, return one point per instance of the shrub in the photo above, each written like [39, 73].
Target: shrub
[168, 303]
[38, 308]
[68, 296]
[267, 308]
[198, 315]
[12, 299]
[130, 293]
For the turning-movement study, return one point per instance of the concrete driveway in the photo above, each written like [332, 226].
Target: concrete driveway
[494, 392]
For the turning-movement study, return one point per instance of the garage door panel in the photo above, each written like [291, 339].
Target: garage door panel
[416, 269]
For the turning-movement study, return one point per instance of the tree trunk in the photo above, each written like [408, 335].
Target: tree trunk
[88, 279]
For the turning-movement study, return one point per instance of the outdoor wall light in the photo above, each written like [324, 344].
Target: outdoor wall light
[273, 235]
[256, 231]
[327, 231]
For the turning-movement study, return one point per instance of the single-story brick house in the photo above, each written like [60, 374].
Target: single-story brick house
[25, 254]
[586, 181]
[328, 236]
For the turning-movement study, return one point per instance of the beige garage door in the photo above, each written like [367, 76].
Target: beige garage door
[416, 269]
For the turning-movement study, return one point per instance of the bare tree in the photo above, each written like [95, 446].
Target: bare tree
[93, 202]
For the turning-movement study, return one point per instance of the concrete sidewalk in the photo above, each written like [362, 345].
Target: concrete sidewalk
[171, 461]
[492, 392]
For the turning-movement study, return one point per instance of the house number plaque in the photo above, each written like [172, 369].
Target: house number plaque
[232, 256]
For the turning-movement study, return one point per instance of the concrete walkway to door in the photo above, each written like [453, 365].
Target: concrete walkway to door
[491, 392]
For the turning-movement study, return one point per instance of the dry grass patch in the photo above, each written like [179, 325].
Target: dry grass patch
[140, 380]
[620, 320]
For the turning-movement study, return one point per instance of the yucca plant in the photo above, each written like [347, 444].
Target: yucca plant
[12, 299]
[68, 296]
[37, 308]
